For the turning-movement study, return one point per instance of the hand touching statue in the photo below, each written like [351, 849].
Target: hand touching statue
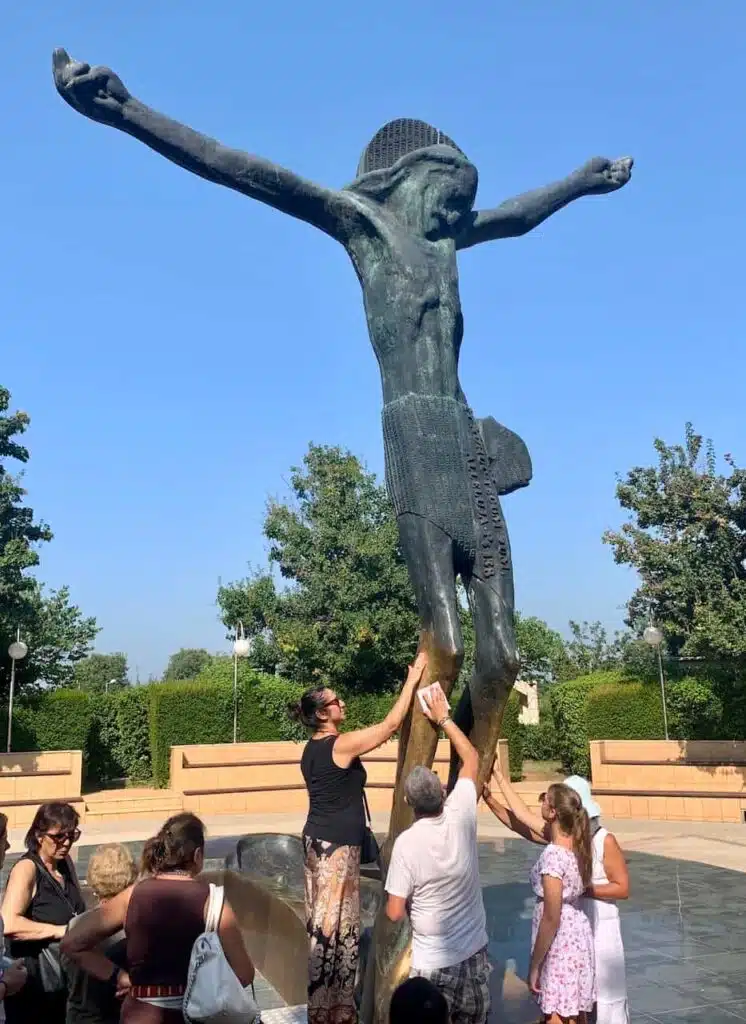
[435, 705]
[95, 92]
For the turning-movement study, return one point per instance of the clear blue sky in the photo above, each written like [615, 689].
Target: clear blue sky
[177, 346]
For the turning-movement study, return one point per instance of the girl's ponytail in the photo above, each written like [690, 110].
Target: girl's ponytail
[574, 822]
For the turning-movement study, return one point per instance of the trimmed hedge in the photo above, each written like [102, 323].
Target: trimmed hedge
[624, 711]
[133, 734]
[568, 701]
[608, 706]
[540, 741]
[129, 734]
[102, 762]
[119, 741]
[60, 720]
[182, 713]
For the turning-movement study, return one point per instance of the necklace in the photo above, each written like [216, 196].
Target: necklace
[174, 871]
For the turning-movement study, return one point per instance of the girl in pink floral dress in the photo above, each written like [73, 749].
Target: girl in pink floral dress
[562, 970]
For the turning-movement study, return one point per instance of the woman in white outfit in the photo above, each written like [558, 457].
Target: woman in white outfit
[610, 883]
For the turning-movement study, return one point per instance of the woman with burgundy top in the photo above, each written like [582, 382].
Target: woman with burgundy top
[161, 915]
[332, 839]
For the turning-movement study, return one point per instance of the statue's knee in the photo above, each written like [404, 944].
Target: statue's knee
[512, 664]
[499, 663]
[446, 660]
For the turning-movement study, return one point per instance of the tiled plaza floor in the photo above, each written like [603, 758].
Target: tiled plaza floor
[684, 932]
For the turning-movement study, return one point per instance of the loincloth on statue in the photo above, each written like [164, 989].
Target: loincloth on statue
[438, 467]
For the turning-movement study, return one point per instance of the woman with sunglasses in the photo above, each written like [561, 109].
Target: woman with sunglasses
[333, 837]
[41, 898]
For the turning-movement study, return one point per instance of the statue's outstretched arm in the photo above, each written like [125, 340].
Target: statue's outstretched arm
[519, 215]
[100, 95]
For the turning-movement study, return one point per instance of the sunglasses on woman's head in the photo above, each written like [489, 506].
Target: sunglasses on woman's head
[331, 703]
[58, 838]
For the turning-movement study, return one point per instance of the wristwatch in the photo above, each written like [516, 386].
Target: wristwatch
[444, 721]
[114, 979]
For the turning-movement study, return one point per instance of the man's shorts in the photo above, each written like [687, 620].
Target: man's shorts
[466, 987]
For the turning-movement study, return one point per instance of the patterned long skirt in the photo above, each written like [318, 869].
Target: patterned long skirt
[332, 877]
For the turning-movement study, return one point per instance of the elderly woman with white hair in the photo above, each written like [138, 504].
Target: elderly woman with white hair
[111, 870]
[610, 882]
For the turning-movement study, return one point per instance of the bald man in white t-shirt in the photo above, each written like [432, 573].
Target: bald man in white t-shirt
[434, 877]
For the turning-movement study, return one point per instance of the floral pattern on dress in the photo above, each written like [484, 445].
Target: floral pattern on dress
[332, 883]
[567, 978]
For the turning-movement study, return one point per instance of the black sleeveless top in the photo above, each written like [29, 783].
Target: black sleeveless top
[52, 903]
[335, 813]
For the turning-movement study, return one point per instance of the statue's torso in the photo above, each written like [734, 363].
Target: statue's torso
[411, 295]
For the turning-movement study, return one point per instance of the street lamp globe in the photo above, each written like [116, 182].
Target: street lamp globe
[242, 647]
[653, 636]
[18, 650]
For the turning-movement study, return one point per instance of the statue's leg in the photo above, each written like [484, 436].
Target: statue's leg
[428, 551]
[480, 710]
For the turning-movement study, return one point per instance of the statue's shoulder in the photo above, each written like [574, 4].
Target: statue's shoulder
[371, 226]
[367, 211]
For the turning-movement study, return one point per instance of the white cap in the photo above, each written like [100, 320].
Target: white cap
[583, 788]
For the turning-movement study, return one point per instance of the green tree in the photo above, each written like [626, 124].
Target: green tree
[544, 658]
[20, 535]
[686, 537]
[56, 632]
[186, 664]
[101, 673]
[592, 650]
[347, 615]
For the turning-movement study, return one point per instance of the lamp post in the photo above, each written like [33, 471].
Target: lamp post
[241, 649]
[654, 638]
[17, 652]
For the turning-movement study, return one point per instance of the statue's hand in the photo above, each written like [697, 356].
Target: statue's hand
[96, 92]
[600, 175]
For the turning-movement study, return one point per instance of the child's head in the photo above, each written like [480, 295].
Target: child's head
[418, 1000]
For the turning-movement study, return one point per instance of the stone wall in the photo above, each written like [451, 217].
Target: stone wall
[36, 777]
[670, 780]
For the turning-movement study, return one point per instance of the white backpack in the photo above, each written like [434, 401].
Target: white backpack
[214, 995]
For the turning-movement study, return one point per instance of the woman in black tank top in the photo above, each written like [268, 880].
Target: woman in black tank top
[332, 839]
[41, 897]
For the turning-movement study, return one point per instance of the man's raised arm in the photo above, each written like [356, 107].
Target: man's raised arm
[517, 216]
[437, 712]
[100, 95]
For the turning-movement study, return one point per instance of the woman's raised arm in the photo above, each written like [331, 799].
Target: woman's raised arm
[534, 822]
[350, 745]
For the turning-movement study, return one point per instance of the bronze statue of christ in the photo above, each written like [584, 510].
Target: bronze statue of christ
[402, 221]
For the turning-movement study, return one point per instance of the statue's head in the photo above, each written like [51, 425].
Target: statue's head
[414, 166]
